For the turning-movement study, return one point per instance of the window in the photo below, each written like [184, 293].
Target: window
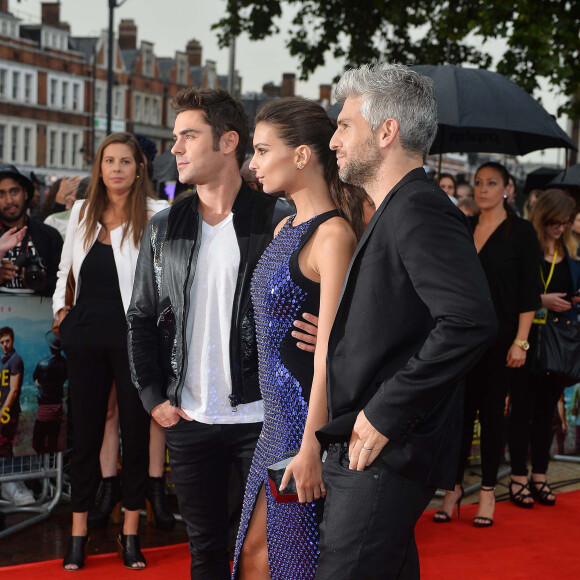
[3, 75]
[75, 146]
[28, 88]
[154, 112]
[63, 148]
[27, 144]
[52, 149]
[2, 137]
[98, 99]
[146, 110]
[137, 112]
[53, 91]
[117, 104]
[4, 28]
[15, 84]
[64, 96]
[15, 132]
[76, 97]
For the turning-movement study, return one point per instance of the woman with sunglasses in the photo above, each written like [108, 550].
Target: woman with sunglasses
[533, 402]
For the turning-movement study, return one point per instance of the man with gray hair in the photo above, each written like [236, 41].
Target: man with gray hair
[414, 316]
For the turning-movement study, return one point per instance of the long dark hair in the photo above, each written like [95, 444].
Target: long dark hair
[136, 205]
[298, 122]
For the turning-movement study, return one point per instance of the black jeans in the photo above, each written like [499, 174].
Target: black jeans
[369, 520]
[530, 422]
[201, 458]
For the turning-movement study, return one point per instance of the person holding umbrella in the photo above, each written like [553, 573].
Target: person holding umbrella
[509, 253]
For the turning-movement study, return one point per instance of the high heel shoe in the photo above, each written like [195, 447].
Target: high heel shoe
[540, 494]
[75, 555]
[518, 498]
[108, 502]
[483, 521]
[130, 551]
[442, 517]
[156, 503]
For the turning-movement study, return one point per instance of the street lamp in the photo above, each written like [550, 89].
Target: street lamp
[112, 5]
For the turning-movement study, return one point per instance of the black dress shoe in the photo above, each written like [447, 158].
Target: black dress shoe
[130, 551]
[75, 555]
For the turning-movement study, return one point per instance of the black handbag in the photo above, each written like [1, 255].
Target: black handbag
[558, 349]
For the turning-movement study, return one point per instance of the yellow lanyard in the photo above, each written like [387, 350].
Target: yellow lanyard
[547, 282]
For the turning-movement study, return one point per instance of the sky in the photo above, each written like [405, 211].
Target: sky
[170, 24]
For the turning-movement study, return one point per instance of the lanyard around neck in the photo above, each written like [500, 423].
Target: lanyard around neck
[547, 282]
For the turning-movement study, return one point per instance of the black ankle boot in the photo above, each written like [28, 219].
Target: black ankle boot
[108, 498]
[130, 552]
[157, 504]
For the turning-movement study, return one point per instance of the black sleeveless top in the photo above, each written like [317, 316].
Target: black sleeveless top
[299, 362]
[98, 276]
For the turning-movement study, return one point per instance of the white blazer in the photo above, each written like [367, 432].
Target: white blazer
[74, 253]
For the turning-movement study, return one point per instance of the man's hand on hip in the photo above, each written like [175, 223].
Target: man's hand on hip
[365, 443]
[167, 415]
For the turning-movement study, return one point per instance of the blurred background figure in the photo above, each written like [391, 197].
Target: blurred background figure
[448, 184]
[249, 176]
[533, 402]
[576, 225]
[59, 219]
[56, 197]
[464, 191]
[469, 207]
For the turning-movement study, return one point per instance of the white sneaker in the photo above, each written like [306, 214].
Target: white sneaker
[17, 493]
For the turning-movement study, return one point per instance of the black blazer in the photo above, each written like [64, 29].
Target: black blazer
[414, 316]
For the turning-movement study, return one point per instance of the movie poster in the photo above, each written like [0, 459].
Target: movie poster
[33, 378]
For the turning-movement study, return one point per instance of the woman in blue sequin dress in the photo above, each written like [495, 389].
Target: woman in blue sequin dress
[302, 270]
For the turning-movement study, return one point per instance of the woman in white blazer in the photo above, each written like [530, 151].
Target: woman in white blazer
[101, 249]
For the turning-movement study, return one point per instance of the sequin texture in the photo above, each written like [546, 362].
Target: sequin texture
[292, 528]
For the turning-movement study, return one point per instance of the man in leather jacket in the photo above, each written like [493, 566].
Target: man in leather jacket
[192, 341]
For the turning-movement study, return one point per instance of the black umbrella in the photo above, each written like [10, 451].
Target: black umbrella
[570, 177]
[539, 178]
[165, 168]
[484, 112]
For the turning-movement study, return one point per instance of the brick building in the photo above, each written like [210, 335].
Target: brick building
[53, 89]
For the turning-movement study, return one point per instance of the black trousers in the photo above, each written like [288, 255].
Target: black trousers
[201, 457]
[367, 531]
[95, 344]
[530, 422]
[486, 387]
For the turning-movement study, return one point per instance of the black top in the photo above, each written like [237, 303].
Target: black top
[511, 259]
[300, 362]
[561, 278]
[98, 275]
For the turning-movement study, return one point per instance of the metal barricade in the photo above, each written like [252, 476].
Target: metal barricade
[45, 468]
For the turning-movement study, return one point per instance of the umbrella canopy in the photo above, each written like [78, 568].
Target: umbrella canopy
[570, 177]
[481, 111]
[165, 168]
[539, 178]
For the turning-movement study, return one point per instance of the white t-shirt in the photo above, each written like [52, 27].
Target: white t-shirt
[208, 381]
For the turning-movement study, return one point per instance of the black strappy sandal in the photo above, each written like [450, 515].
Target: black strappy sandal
[518, 498]
[540, 494]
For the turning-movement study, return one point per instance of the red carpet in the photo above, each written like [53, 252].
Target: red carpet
[521, 545]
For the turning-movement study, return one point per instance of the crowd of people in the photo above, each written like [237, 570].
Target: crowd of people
[315, 320]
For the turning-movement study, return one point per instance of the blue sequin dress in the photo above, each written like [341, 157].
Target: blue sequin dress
[280, 295]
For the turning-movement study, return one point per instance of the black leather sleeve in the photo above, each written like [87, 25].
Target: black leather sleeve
[146, 371]
[438, 255]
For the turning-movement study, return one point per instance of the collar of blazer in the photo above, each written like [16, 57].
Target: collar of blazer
[413, 175]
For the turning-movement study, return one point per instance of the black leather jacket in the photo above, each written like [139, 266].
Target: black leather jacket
[160, 302]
